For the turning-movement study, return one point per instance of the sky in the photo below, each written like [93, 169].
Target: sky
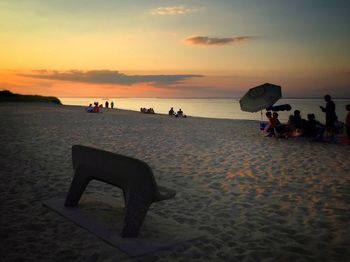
[177, 49]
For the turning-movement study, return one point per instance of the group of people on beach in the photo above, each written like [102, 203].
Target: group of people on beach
[147, 111]
[97, 107]
[179, 113]
[310, 127]
[94, 109]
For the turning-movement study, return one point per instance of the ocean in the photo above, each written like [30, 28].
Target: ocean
[214, 108]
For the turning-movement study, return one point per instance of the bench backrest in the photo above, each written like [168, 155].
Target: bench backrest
[123, 171]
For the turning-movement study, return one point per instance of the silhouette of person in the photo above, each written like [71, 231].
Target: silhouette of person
[313, 128]
[295, 124]
[280, 129]
[347, 121]
[331, 116]
[297, 120]
[270, 128]
[171, 111]
[112, 104]
[96, 108]
[89, 109]
[106, 104]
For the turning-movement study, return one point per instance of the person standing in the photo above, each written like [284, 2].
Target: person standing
[106, 104]
[331, 116]
[112, 104]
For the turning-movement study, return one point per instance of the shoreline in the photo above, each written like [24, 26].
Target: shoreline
[163, 114]
[256, 198]
[214, 108]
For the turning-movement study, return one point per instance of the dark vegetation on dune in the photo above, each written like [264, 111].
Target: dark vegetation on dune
[7, 96]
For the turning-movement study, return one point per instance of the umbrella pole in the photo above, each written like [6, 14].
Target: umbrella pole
[262, 125]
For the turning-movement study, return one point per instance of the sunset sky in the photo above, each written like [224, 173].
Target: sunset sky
[160, 48]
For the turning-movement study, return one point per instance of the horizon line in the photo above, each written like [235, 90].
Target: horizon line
[104, 97]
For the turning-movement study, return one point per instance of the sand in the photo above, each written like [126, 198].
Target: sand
[257, 198]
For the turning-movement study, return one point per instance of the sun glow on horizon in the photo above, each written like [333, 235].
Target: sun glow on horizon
[157, 50]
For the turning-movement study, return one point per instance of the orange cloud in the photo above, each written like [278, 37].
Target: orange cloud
[209, 41]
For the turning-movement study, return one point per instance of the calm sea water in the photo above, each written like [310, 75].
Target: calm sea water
[213, 108]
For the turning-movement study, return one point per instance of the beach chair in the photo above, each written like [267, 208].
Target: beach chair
[133, 176]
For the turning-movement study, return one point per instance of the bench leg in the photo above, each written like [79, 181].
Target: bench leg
[136, 210]
[76, 189]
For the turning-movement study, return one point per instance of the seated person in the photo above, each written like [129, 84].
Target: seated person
[179, 113]
[280, 129]
[270, 128]
[89, 108]
[150, 111]
[96, 109]
[295, 124]
[171, 112]
[296, 120]
[313, 128]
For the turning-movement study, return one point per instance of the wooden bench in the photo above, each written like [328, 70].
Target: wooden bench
[133, 176]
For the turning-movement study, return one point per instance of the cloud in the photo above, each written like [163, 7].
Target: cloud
[208, 41]
[41, 71]
[108, 77]
[172, 10]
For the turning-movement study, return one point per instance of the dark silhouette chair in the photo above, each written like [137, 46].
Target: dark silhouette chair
[133, 176]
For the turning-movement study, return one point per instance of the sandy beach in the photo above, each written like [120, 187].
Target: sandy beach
[257, 198]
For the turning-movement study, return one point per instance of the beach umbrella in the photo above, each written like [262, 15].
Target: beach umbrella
[260, 97]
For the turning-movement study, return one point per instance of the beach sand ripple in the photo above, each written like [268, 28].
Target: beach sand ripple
[257, 198]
